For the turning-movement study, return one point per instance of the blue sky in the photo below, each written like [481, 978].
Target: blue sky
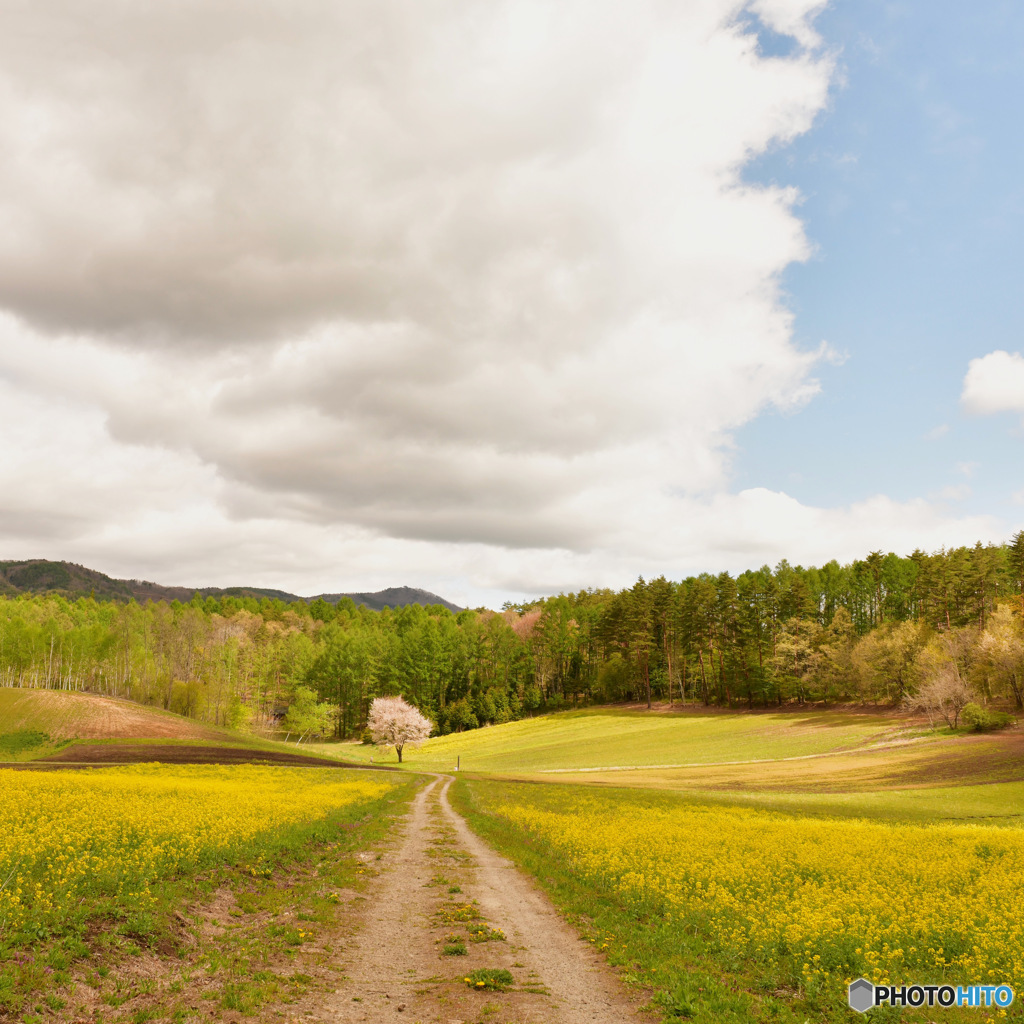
[913, 196]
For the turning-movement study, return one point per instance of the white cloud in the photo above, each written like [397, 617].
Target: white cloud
[537, 175]
[994, 383]
[789, 17]
[341, 296]
[938, 432]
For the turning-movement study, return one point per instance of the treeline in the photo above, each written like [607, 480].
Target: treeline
[874, 630]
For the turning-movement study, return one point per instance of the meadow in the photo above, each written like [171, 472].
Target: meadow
[774, 758]
[105, 844]
[938, 759]
[1000, 805]
[614, 737]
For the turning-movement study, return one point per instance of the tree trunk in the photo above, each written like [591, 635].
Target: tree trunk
[668, 657]
[1018, 690]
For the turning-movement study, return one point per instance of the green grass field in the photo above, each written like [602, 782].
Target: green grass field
[808, 756]
[27, 744]
[999, 805]
[614, 738]
[939, 760]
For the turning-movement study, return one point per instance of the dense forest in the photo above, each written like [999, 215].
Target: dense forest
[874, 630]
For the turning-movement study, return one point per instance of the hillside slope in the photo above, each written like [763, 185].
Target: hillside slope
[63, 715]
[37, 725]
[38, 576]
[618, 738]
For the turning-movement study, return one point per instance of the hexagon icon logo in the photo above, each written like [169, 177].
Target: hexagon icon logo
[861, 995]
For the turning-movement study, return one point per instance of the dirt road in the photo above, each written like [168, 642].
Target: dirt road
[439, 887]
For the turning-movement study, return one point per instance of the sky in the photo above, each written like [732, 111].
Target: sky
[510, 299]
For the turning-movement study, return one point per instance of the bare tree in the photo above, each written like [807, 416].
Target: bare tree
[394, 723]
[946, 694]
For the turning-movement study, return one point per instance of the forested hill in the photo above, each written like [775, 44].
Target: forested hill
[880, 629]
[40, 576]
[393, 597]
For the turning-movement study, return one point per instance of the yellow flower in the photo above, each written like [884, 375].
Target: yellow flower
[116, 831]
[777, 887]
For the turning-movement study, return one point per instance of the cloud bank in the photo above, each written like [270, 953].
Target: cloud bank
[994, 383]
[337, 296]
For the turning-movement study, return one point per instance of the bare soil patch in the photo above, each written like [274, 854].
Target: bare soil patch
[789, 708]
[70, 715]
[970, 760]
[98, 754]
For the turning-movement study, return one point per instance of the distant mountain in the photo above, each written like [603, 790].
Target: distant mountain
[39, 576]
[394, 597]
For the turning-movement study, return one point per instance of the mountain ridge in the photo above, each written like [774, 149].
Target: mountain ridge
[42, 576]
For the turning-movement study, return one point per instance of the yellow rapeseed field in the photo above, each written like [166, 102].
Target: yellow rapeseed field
[65, 837]
[826, 900]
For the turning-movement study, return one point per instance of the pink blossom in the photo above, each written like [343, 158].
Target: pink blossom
[394, 723]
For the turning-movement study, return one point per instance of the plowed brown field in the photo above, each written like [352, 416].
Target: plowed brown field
[87, 716]
[173, 753]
